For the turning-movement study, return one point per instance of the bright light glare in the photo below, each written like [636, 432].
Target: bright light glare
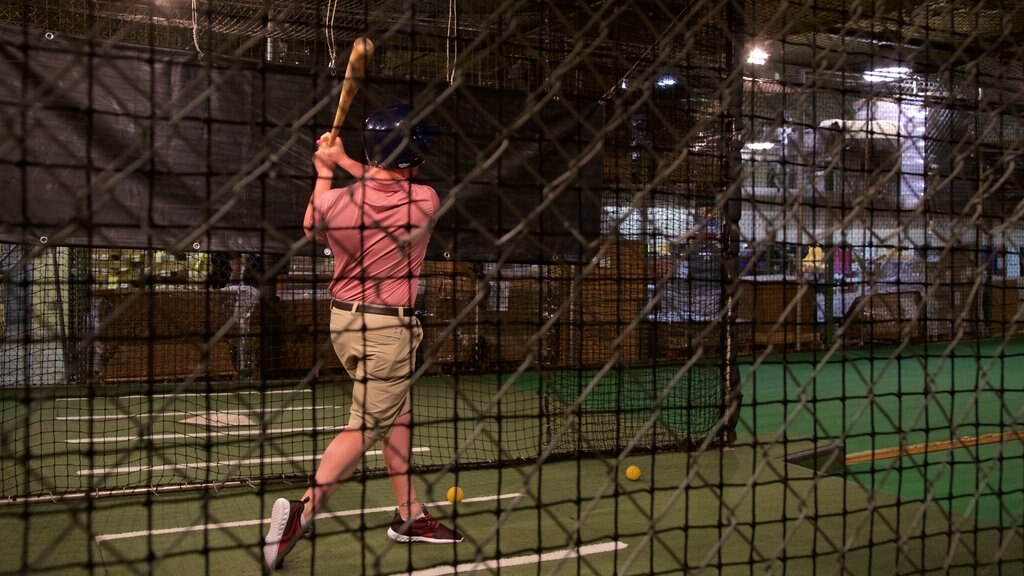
[757, 56]
[887, 74]
[759, 145]
[666, 81]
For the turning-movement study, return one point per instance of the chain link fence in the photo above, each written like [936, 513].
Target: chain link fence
[647, 208]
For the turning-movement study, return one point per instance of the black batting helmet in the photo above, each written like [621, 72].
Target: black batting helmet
[388, 140]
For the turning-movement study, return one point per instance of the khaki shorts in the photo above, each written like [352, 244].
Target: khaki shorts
[379, 353]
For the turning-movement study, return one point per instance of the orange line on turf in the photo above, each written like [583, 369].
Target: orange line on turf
[962, 442]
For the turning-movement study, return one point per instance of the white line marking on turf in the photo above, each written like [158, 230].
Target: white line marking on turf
[181, 395]
[201, 435]
[241, 523]
[510, 561]
[208, 465]
[123, 416]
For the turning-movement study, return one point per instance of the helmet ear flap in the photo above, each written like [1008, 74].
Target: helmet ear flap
[388, 141]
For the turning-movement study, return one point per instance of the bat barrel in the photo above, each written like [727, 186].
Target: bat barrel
[362, 51]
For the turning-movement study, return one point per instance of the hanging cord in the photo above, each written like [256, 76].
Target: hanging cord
[332, 51]
[650, 49]
[451, 55]
[195, 27]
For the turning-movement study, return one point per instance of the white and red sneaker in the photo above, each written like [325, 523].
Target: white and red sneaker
[285, 531]
[422, 529]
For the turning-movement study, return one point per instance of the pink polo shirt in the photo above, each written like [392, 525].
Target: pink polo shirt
[378, 232]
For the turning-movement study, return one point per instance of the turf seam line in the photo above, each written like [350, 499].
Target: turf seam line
[242, 523]
[182, 395]
[511, 561]
[205, 465]
[201, 435]
[140, 415]
[925, 447]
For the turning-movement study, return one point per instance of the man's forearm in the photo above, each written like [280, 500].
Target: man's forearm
[313, 220]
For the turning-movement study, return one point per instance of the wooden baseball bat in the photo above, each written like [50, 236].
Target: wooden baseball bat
[362, 51]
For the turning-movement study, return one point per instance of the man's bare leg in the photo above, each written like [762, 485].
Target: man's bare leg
[397, 448]
[336, 465]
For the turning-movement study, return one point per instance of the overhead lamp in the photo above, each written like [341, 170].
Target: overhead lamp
[757, 56]
[887, 74]
[666, 81]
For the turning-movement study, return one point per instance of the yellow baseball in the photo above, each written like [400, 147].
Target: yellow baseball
[455, 494]
[633, 472]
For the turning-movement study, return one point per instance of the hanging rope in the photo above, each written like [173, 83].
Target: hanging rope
[332, 51]
[451, 55]
[620, 85]
[195, 27]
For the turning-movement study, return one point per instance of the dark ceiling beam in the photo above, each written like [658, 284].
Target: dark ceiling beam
[784, 17]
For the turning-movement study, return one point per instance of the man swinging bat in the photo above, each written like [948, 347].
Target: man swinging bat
[378, 229]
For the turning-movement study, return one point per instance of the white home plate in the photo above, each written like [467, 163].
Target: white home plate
[218, 419]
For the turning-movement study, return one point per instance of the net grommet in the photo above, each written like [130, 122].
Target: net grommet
[44, 239]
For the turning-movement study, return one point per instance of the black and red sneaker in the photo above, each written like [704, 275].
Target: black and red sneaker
[422, 529]
[285, 531]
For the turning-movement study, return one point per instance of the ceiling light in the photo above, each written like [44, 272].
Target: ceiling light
[666, 81]
[757, 56]
[887, 74]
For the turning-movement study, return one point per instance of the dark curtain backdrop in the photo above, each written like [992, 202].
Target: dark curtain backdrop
[128, 146]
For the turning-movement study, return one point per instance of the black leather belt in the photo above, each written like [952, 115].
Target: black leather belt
[401, 312]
